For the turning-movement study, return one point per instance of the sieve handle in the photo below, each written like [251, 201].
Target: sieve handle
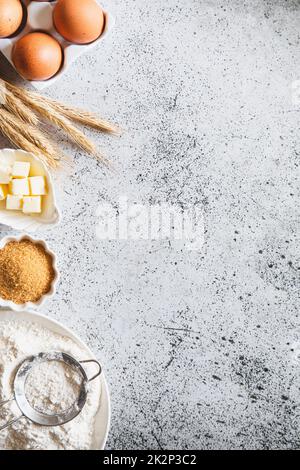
[2, 403]
[9, 423]
[99, 367]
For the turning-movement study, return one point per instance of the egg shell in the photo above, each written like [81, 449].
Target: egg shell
[11, 15]
[38, 16]
[37, 56]
[79, 21]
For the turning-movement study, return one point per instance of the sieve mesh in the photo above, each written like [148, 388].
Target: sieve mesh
[29, 408]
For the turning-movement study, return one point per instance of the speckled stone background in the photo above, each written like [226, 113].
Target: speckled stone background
[200, 348]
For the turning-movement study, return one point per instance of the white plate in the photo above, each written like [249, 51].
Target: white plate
[102, 420]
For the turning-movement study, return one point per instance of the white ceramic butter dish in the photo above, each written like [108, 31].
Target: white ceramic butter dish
[50, 214]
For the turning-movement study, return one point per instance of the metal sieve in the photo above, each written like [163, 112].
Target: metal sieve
[36, 416]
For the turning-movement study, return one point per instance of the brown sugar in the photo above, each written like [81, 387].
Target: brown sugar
[26, 271]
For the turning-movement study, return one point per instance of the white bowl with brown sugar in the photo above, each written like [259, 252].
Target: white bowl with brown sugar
[28, 272]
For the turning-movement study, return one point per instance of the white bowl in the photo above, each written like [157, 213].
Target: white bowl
[50, 215]
[102, 420]
[44, 298]
[40, 18]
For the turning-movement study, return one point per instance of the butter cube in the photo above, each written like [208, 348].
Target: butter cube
[4, 177]
[19, 187]
[14, 203]
[3, 191]
[37, 185]
[5, 172]
[32, 204]
[21, 170]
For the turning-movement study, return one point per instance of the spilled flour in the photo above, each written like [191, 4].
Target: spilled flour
[51, 387]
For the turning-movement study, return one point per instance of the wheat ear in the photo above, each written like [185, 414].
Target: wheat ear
[19, 140]
[79, 115]
[84, 117]
[55, 118]
[35, 136]
[16, 106]
[41, 107]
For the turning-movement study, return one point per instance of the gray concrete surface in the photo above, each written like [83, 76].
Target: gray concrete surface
[200, 348]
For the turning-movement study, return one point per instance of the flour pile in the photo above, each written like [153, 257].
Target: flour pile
[51, 387]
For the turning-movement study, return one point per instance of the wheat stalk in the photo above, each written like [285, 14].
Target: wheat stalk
[35, 137]
[79, 115]
[16, 106]
[11, 129]
[53, 116]
[19, 141]
[25, 104]
[83, 117]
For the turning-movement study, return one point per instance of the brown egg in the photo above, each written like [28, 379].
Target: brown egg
[78, 21]
[37, 56]
[11, 15]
